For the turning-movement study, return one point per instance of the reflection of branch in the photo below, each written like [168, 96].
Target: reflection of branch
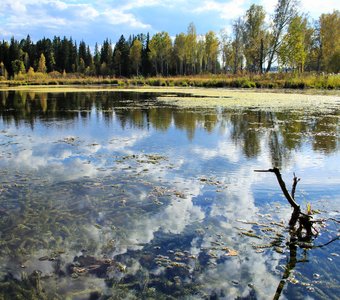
[289, 267]
[335, 220]
[293, 261]
[331, 241]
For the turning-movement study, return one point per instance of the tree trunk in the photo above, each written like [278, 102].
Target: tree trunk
[261, 56]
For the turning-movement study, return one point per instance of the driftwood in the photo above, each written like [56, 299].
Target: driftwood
[304, 220]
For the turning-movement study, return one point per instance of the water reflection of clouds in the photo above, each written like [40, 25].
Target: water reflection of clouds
[234, 203]
[65, 157]
[64, 165]
[237, 203]
[123, 143]
[224, 148]
[171, 218]
[309, 165]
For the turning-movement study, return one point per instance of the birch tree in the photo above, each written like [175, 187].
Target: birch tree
[293, 50]
[237, 45]
[226, 51]
[211, 50]
[254, 35]
[160, 52]
[179, 52]
[190, 49]
[330, 41]
[285, 11]
[136, 55]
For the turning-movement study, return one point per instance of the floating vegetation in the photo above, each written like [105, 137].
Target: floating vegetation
[250, 234]
[144, 158]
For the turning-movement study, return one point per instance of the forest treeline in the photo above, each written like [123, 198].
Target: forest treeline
[290, 42]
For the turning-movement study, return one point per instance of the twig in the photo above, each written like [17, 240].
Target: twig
[331, 241]
[335, 220]
[295, 182]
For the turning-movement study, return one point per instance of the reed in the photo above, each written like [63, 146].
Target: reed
[246, 81]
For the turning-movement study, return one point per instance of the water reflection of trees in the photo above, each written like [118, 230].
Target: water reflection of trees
[284, 131]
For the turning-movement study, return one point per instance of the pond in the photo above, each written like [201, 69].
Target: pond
[110, 194]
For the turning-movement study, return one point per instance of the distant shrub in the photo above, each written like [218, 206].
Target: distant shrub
[333, 81]
[171, 82]
[294, 84]
[153, 82]
[55, 74]
[121, 83]
[185, 83]
[247, 84]
[235, 83]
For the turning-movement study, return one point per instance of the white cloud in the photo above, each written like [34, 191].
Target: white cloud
[97, 20]
[228, 10]
[17, 7]
[87, 12]
[268, 5]
[5, 32]
[141, 3]
[57, 15]
[316, 8]
[60, 5]
[45, 21]
[116, 17]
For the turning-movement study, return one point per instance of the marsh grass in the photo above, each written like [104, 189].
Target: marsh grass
[265, 81]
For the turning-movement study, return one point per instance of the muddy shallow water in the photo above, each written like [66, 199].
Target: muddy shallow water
[123, 194]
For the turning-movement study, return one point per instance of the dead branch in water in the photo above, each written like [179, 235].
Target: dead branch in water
[295, 182]
[282, 184]
[303, 219]
[304, 222]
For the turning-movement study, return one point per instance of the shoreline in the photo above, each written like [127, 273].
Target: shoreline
[211, 91]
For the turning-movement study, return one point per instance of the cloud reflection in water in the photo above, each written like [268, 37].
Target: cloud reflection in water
[203, 190]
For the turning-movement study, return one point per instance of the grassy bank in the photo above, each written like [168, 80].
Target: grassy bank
[267, 81]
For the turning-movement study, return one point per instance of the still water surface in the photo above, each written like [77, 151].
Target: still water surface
[111, 195]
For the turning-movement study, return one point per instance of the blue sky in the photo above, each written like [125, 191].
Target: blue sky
[93, 21]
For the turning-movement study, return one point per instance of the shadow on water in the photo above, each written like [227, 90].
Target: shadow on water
[111, 195]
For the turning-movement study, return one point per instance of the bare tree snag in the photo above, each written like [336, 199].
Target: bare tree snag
[297, 216]
[282, 184]
[302, 235]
